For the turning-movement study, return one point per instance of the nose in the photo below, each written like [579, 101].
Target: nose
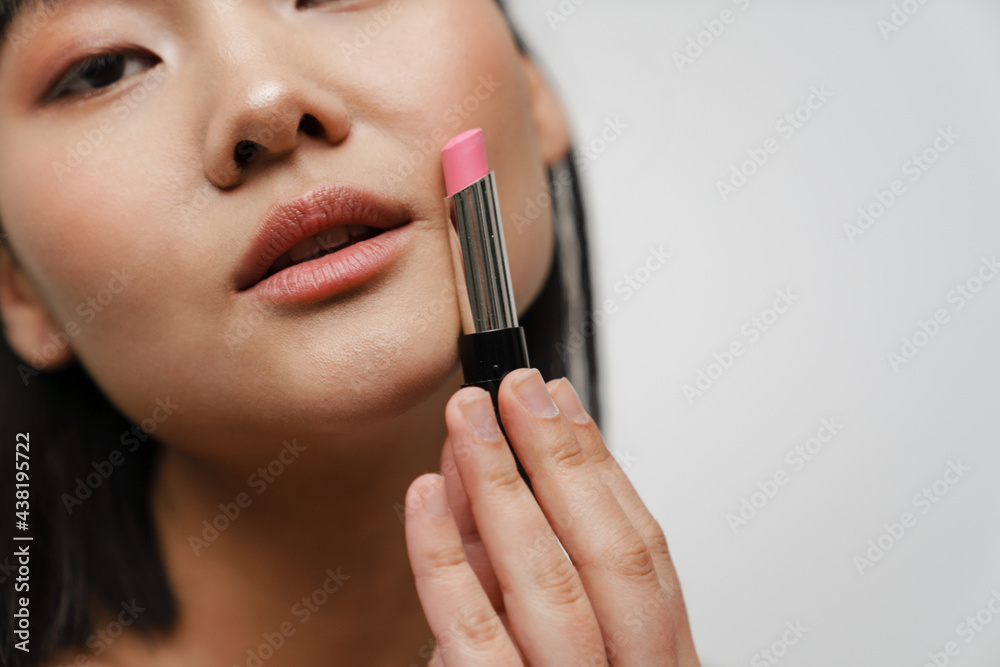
[264, 110]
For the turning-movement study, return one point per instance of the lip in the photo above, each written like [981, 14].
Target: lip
[326, 206]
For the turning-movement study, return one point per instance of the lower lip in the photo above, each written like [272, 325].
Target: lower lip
[335, 273]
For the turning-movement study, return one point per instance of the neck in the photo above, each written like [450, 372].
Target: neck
[306, 557]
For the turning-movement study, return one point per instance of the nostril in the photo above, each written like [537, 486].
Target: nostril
[245, 152]
[311, 125]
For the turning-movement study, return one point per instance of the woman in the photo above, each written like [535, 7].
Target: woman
[247, 510]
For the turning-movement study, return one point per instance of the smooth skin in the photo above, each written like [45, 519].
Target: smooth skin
[365, 384]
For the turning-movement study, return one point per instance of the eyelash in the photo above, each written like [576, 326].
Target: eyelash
[56, 92]
[59, 93]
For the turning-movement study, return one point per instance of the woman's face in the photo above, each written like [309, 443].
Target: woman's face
[129, 216]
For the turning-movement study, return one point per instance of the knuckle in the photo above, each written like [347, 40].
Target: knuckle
[446, 557]
[480, 626]
[657, 539]
[603, 457]
[504, 479]
[560, 581]
[567, 453]
[629, 557]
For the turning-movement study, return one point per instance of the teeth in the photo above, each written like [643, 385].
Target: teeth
[357, 230]
[321, 244]
[329, 239]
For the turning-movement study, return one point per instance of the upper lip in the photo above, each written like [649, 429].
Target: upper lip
[325, 206]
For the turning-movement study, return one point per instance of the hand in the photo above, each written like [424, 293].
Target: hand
[494, 583]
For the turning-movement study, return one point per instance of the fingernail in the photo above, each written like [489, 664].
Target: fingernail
[433, 494]
[569, 401]
[478, 412]
[530, 389]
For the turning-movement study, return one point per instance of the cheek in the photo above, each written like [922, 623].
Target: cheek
[100, 245]
[70, 215]
[474, 78]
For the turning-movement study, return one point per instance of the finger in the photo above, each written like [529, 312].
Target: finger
[465, 626]
[549, 614]
[612, 474]
[615, 565]
[462, 511]
[457, 500]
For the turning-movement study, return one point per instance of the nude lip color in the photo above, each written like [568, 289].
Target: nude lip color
[319, 211]
[492, 343]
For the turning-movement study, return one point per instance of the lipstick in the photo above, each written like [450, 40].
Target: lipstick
[492, 343]
[315, 245]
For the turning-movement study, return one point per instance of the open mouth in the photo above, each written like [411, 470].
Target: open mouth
[324, 243]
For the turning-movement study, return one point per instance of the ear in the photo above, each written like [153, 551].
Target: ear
[550, 118]
[27, 325]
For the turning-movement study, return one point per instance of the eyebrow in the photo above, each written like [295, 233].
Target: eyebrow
[11, 9]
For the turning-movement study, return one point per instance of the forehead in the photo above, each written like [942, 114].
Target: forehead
[11, 9]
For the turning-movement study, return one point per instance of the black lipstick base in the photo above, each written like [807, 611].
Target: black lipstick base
[487, 357]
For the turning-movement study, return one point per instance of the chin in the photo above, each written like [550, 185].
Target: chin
[382, 379]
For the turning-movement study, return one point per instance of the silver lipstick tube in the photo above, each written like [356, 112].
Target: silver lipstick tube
[476, 211]
[492, 343]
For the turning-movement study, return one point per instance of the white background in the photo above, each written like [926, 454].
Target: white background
[694, 461]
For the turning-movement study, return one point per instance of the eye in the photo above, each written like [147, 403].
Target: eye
[99, 71]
